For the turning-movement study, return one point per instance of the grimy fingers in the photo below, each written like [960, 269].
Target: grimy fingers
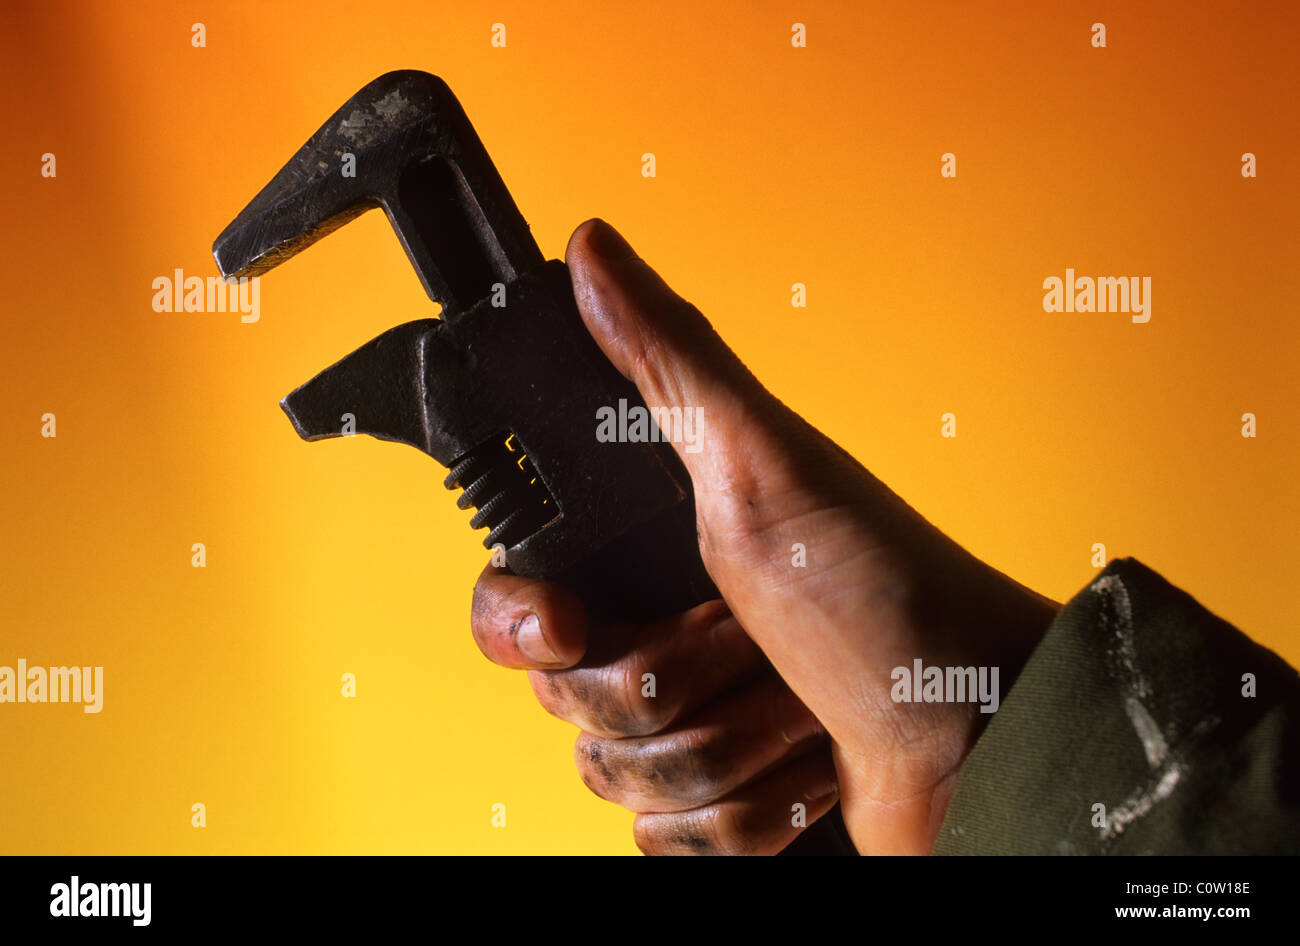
[729, 743]
[761, 818]
[641, 680]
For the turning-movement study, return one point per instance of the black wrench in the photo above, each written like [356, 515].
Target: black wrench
[505, 387]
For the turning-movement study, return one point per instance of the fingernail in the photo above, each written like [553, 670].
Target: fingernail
[531, 643]
[823, 790]
[803, 726]
[608, 243]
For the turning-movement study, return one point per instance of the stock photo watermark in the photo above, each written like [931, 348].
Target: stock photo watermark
[181, 293]
[921, 684]
[36, 684]
[638, 424]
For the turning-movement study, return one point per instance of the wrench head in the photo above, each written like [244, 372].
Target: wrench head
[403, 144]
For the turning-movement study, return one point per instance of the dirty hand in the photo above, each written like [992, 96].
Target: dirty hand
[718, 764]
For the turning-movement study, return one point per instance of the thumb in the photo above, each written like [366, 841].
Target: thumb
[668, 349]
[657, 339]
[763, 477]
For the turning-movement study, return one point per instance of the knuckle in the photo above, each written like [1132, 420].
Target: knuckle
[605, 700]
[649, 361]
[645, 835]
[729, 833]
[665, 835]
[548, 691]
[689, 832]
[670, 772]
[590, 753]
[702, 765]
[659, 774]
[642, 715]
[598, 700]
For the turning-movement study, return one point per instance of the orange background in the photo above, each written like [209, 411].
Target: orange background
[775, 165]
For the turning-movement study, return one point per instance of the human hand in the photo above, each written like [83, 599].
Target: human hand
[712, 763]
[718, 765]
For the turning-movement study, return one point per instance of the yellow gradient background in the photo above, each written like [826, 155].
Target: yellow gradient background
[775, 165]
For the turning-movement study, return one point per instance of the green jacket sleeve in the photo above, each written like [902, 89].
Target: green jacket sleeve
[1142, 724]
